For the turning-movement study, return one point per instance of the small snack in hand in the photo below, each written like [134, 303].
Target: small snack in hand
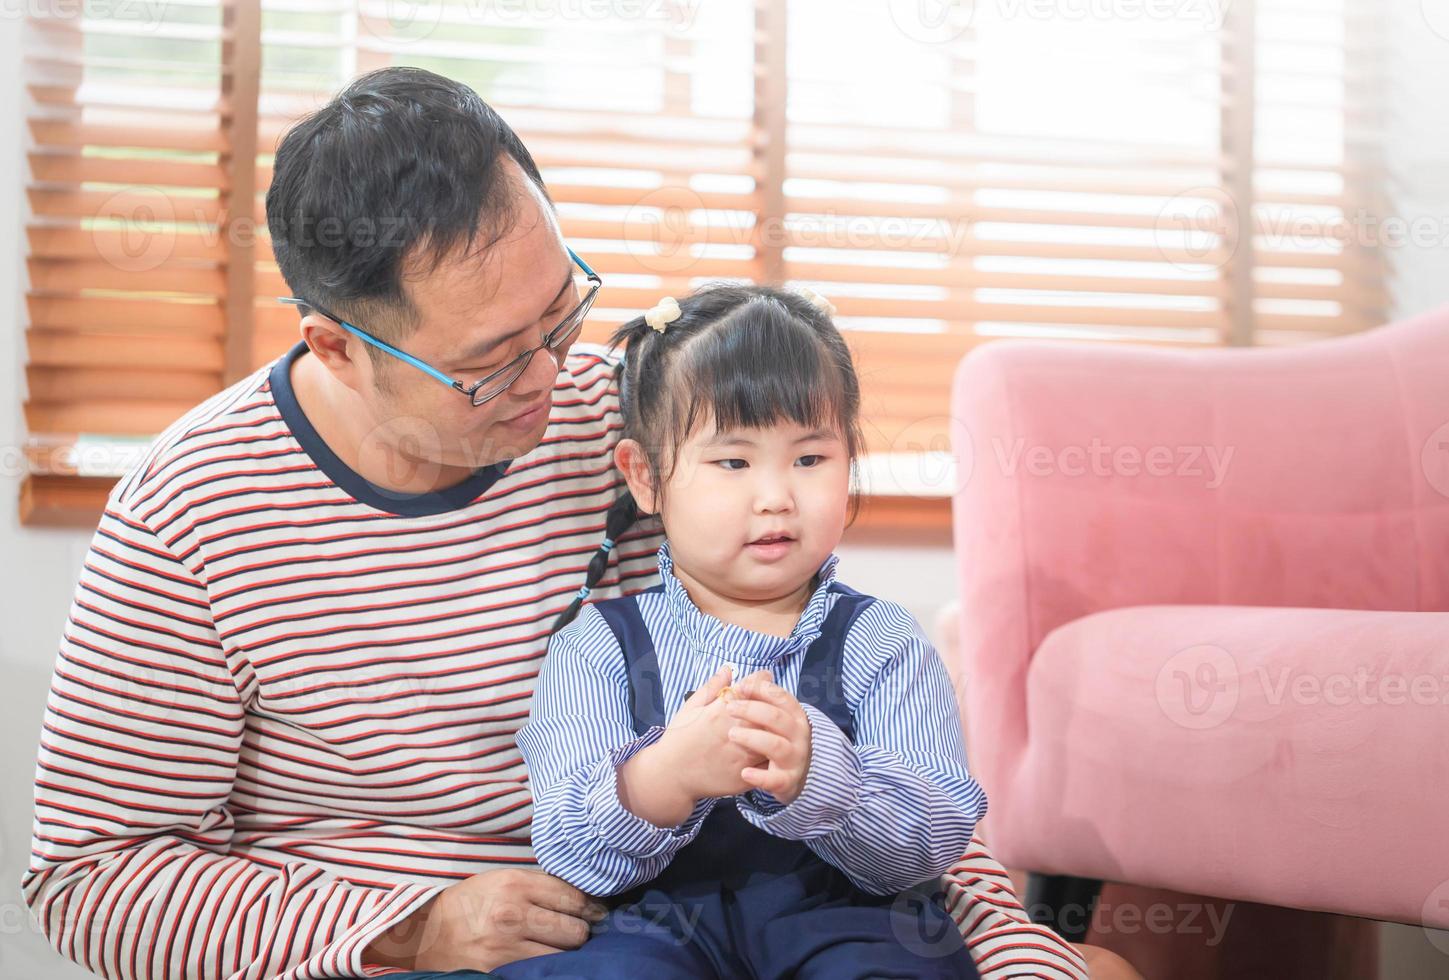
[726, 693]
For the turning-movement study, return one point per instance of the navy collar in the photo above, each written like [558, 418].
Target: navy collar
[403, 504]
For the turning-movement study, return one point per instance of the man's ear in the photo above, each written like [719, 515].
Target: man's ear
[334, 347]
[631, 460]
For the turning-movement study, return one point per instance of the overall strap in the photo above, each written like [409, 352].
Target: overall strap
[646, 690]
[821, 681]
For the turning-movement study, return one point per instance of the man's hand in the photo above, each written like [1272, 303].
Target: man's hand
[488, 920]
[772, 724]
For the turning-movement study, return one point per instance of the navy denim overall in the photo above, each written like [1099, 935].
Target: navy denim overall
[738, 902]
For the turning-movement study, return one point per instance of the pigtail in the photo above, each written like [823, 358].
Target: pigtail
[623, 512]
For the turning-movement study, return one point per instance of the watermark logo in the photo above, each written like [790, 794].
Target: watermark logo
[138, 230]
[933, 21]
[663, 227]
[919, 924]
[1436, 15]
[1434, 459]
[1198, 687]
[931, 456]
[1436, 910]
[403, 21]
[1196, 228]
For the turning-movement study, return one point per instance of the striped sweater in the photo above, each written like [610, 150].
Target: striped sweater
[285, 707]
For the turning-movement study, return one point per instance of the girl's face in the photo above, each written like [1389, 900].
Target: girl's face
[751, 513]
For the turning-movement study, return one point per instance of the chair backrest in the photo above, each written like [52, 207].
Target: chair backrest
[1095, 477]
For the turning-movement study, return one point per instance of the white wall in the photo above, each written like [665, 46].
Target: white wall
[38, 568]
[1417, 150]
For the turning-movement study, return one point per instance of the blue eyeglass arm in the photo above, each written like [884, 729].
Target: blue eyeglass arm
[365, 337]
[588, 271]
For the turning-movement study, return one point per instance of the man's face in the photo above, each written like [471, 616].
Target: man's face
[476, 313]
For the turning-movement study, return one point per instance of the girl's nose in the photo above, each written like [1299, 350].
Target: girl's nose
[773, 496]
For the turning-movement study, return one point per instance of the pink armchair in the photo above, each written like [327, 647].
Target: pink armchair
[1204, 617]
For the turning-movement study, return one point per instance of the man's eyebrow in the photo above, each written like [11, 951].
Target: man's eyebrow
[735, 439]
[487, 347]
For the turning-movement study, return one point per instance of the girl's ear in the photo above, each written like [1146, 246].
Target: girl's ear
[629, 457]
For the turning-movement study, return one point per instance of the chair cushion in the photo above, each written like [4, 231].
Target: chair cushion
[1264, 754]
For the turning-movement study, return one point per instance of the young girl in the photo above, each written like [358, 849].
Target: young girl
[793, 823]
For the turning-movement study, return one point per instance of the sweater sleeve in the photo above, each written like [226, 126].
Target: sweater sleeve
[130, 874]
[1003, 940]
[579, 732]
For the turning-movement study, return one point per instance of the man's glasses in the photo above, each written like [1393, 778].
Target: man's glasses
[497, 382]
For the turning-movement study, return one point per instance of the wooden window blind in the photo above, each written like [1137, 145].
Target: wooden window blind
[997, 170]
[634, 120]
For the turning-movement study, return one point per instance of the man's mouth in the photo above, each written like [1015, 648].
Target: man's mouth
[534, 408]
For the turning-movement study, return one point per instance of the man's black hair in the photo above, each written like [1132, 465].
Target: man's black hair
[397, 172]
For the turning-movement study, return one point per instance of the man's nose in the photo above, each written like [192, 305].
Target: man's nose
[541, 372]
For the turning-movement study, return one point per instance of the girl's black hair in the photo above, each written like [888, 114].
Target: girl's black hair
[745, 357]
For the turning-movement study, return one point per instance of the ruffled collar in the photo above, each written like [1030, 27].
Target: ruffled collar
[729, 642]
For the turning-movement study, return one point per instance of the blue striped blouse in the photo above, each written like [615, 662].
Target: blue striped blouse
[892, 810]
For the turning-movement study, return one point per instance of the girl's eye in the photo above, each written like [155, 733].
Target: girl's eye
[813, 460]
[726, 463]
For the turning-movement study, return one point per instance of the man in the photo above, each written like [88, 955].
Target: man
[280, 737]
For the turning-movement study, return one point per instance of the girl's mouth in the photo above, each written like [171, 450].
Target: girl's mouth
[771, 547]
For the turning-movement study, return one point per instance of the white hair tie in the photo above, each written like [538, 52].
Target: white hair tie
[663, 313]
[820, 302]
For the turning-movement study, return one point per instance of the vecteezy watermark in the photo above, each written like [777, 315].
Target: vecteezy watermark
[668, 228]
[676, 920]
[1203, 227]
[409, 21]
[412, 450]
[1198, 687]
[310, 693]
[150, 14]
[943, 21]
[1099, 459]
[87, 456]
[137, 228]
[676, 14]
[934, 456]
[1131, 918]
[1364, 685]
[1201, 687]
[1208, 14]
